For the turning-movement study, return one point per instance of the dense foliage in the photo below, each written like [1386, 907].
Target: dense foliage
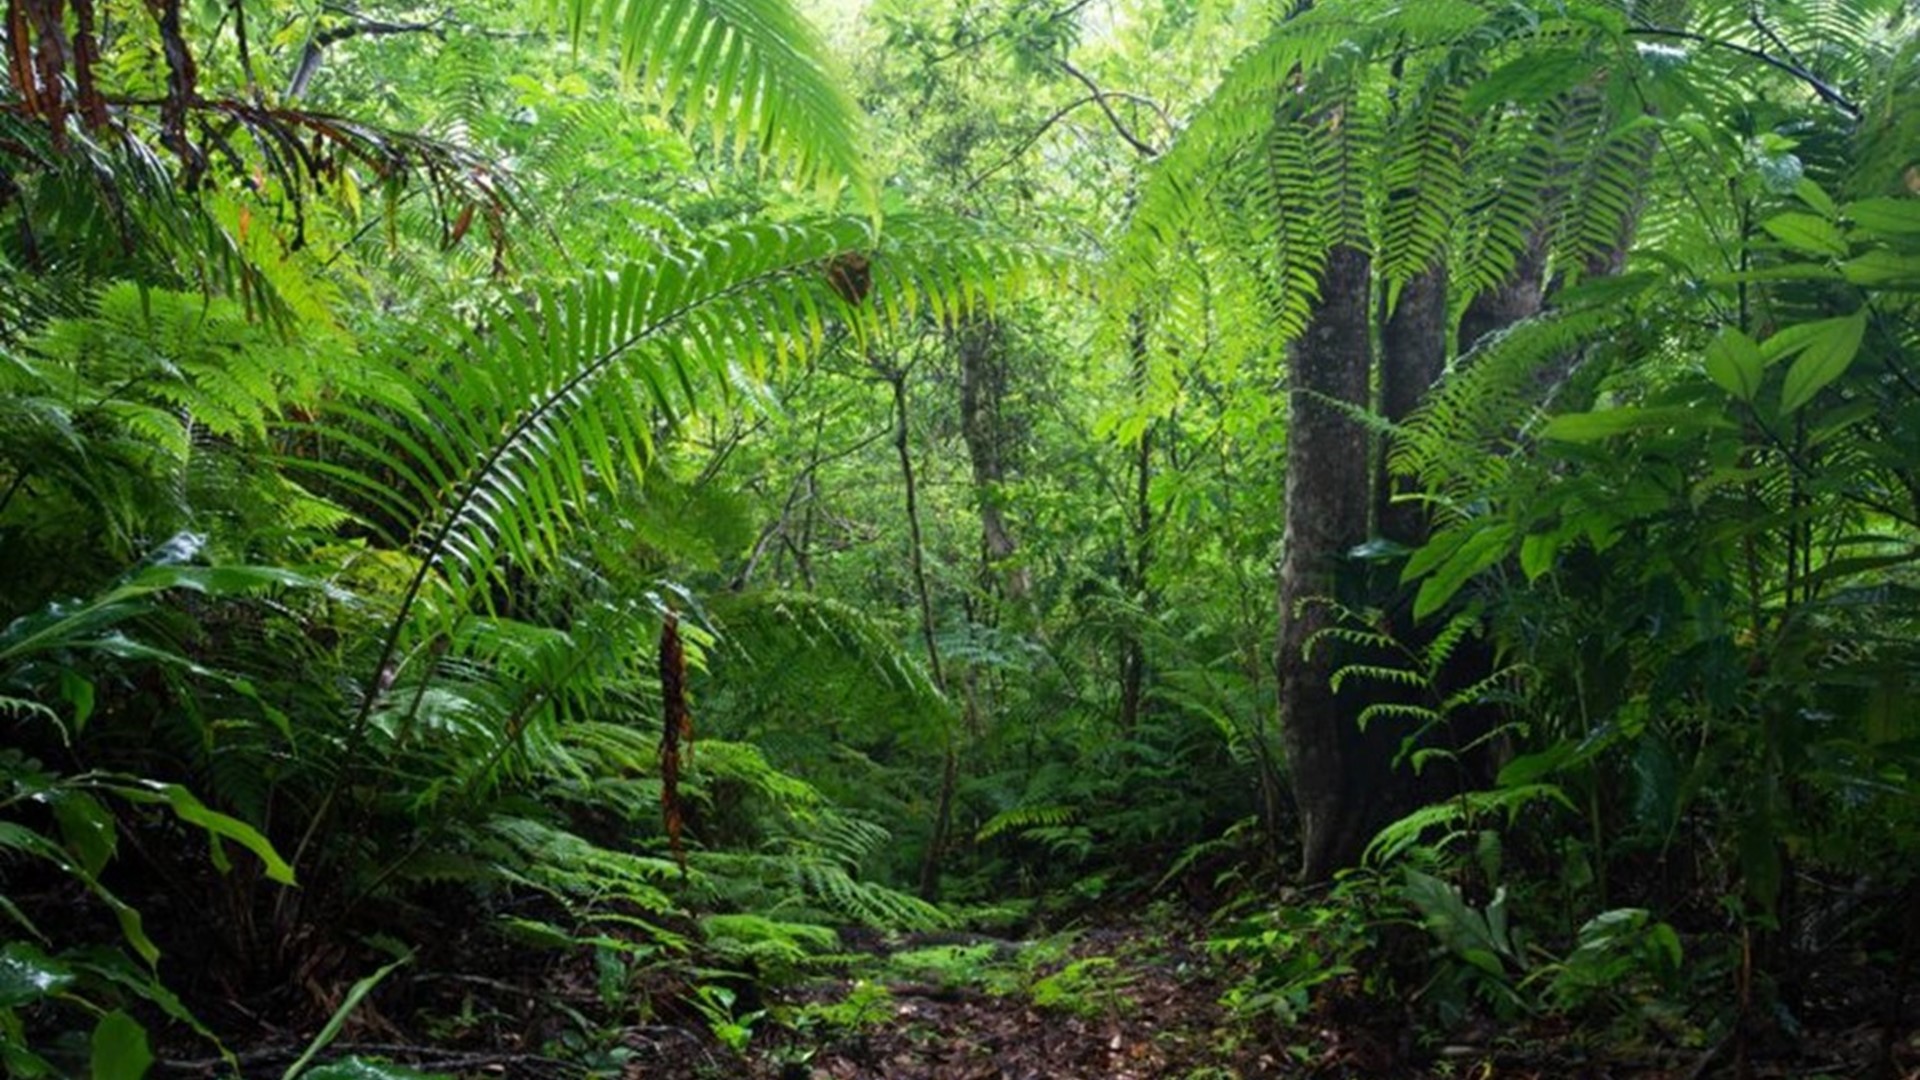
[526, 526]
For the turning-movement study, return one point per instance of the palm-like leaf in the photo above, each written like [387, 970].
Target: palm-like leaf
[1394, 128]
[491, 458]
[756, 70]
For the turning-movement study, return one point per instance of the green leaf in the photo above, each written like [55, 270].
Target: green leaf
[338, 1020]
[1881, 267]
[1436, 551]
[78, 693]
[193, 811]
[1734, 364]
[1607, 423]
[1892, 217]
[1828, 353]
[1482, 550]
[1812, 194]
[1807, 233]
[27, 975]
[88, 828]
[218, 826]
[1537, 552]
[1610, 289]
[120, 1050]
[1529, 79]
[759, 67]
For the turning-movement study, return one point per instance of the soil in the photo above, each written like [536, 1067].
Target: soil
[1154, 1012]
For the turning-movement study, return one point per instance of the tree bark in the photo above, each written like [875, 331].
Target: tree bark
[1327, 504]
[1413, 355]
[983, 385]
[1133, 650]
[1519, 297]
[916, 555]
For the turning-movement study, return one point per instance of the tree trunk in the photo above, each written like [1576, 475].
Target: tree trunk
[1327, 503]
[983, 385]
[1413, 355]
[916, 557]
[1519, 297]
[1133, 650]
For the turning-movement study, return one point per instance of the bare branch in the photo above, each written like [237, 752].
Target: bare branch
[1144, 148]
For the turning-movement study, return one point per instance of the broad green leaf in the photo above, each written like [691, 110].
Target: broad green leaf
[1813, 195]
[1892, 217]
[1529, 79]
[1483, 549]
[1807, 233]
[1826, 357]
[1734, 364]
[27, 975]
[120, 1050]
[88, 828]
[79, 693]
[1609, 289]
[219, 580]
[1882, 267]
[1537, 552]
[1529, 769]
[1437, 550]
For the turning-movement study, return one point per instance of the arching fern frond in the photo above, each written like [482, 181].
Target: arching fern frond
[1456, 443]
[755, 70]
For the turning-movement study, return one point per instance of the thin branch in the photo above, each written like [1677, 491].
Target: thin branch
[315, 48]
[239, 10]
[1145, 149]
[1061, 114]
[1824, 90]
[1064, 13]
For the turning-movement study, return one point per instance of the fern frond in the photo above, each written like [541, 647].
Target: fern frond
[868, 902]
[756, 71]
[1456, 443]
[1022, 818]
[1378, 673]
[1393, 710]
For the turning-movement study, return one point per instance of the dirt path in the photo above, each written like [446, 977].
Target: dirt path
[1108, 1004]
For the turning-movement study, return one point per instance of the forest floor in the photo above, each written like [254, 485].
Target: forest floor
[1139, 1002]
[1112, 1003]
[1119, 998]
[1116, 1003]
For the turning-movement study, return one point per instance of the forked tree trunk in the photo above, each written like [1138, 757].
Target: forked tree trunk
[1519, 297]
[1327, 502]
